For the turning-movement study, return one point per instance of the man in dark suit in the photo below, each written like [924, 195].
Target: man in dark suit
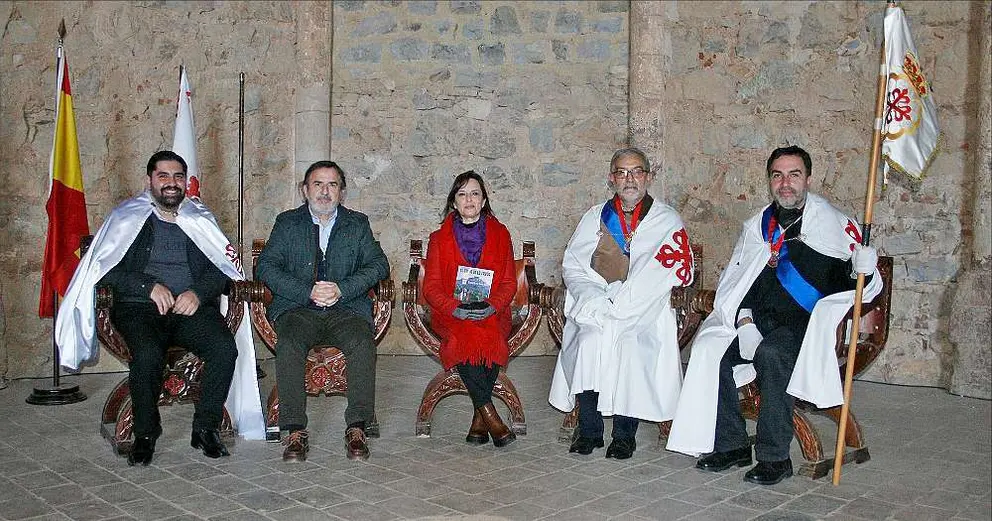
[320, 262]
[166, 292]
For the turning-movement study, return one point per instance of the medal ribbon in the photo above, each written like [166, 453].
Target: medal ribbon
[795, 285]
[612, 218]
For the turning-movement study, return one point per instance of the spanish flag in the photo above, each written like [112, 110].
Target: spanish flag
[67, 222]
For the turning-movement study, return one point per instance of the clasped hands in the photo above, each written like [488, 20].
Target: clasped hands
[325, 294]
[185, 304]
[469, 311]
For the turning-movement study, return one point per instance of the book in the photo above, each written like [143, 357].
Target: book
[473, 284]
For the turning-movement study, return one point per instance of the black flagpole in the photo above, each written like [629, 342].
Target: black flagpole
[58, 394]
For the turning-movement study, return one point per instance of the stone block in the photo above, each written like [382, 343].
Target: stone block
[612, 6]
[529, 52]
[504, 21]
[776, 76]
[314, 97]
[474, 108]
[556, 175]
[465, 6]
[591, 50]
[568, 22]
[491, 143]
[427, 7]
[423, 100]
[20, 32]
[409, 49]
[613, 24]
[474, 29]
[483, 80]
[451, 53]
[363, 53]
[560, 50]
[382, 22]
[350, 5]
[443, 26]
[708, 85]
[900, 244]
[542, 137]
[932, 270]
[822, 25]
[492, 54]
[539, 21]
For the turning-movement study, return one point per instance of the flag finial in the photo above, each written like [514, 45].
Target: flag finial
[61, 30]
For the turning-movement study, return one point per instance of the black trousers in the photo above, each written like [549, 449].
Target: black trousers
[773, 361]
[479, 381]
[591, 420]
[302, 328]
[149, 334]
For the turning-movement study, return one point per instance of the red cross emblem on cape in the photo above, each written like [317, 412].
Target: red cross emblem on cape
[669, 256]
[852, 232]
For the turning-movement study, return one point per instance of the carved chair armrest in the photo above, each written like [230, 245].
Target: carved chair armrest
[105, 329]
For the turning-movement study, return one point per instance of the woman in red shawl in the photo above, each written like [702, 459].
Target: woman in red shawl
[473, 317]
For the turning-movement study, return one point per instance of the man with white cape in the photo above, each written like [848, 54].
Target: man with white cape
[787, 286]
[619, 354]
[168, 263]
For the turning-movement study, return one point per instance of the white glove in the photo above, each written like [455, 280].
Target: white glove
[864, 259]
[748, 338]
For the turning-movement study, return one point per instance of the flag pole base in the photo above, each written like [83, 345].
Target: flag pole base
[57, 395]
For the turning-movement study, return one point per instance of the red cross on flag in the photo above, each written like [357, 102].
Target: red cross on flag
[909, 125]
[184, 136]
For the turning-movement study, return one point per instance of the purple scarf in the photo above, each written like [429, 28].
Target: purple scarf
[470, 238]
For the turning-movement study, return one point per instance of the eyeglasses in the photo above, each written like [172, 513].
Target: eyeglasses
[637, 173]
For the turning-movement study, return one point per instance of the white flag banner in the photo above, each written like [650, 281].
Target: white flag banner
[909, 126]
[184, 136]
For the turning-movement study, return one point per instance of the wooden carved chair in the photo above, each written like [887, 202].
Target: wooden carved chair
[873, 333]
[326, 369]
[181, 382]
[688, 319]
[525, 321]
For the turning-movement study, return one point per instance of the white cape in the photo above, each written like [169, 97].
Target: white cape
[816, 377]
[75, 326]
[620, 339]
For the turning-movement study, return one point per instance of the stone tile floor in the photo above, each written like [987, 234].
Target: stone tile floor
[930, 460]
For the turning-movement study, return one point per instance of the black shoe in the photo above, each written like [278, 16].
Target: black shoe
[769, 472]
[209, 441]
[585, 446]
[720, 461]
[621, 448]
[141, 451]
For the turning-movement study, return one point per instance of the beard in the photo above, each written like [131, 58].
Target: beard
[169, 199]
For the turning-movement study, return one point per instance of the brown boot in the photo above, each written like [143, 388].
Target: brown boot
[502, 436]
[478, 434]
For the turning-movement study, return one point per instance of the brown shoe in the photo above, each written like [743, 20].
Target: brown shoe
[297, 446]
[502, 436]
[358, 446]
[478, 434]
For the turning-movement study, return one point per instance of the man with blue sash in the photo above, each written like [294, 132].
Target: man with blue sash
[619, 354]
[788, 284]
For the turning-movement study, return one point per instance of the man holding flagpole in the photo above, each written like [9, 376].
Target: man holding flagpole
[168, 263]
[789, 282]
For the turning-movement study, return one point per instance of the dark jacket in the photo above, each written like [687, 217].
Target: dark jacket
[354, 261]
[132, 284]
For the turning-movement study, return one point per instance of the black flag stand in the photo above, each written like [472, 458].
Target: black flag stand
[57, 394]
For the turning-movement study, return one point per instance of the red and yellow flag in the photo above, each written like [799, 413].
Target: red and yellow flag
[67, 222]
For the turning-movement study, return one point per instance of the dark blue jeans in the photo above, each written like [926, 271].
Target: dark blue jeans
[591, 420]
[773, 361]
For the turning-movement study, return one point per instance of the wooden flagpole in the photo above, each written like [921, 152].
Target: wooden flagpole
[876, 148]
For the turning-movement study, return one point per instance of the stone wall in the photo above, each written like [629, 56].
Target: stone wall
[712, 95]
[406, 95]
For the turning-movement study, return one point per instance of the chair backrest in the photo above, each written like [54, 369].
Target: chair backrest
[526, 312]
[381, 295]
[873, 331]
